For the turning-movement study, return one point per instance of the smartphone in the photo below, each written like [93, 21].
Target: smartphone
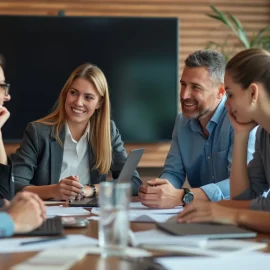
[72, 222]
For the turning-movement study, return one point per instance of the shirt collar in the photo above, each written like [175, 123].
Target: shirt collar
[219, 111]
[194, 123]
[85, 135]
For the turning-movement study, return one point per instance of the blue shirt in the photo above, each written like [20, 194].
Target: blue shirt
[205, 161]
[6, 225]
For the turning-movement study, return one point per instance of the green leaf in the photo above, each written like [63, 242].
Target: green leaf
[240, 32]
[220, 16]
[256, 40]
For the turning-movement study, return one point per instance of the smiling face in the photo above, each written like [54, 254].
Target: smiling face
[81, 102]
[199, 94]
[238, 101]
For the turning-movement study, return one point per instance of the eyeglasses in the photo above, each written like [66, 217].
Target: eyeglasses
[6, 87]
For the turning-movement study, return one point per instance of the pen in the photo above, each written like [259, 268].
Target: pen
[42, 240]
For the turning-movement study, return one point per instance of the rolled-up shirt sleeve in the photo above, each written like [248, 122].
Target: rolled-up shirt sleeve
[6, 225]
[218, 191]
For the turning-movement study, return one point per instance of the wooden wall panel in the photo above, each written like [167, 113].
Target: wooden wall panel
[195, 27]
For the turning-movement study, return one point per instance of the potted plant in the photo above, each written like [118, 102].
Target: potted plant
[261, 39]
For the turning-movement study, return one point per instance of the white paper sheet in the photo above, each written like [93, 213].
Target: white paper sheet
[247, 261]
[65, 211]
[136, 208]
[142, 218]
[72, 240]
[54, 202]
[53, 259]
[213, 248]
[63, 259]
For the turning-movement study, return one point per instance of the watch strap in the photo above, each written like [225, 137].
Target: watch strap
[186, 191]
[94, 190]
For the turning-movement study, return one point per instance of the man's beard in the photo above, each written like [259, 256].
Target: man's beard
[198, 114]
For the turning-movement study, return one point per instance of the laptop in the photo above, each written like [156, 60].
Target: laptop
[125, 176]
[209, 230]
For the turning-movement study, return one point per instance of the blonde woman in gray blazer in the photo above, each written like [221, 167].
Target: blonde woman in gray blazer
[50, 145]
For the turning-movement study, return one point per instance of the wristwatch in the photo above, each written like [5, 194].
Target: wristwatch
[188, 196]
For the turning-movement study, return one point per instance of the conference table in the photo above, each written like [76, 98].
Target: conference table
[95, 261]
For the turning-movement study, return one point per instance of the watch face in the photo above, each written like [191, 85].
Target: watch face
[188, 198]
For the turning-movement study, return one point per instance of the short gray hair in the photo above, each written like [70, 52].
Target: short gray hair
[213, 60]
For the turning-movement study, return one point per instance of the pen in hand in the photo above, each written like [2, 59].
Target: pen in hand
[42, 240]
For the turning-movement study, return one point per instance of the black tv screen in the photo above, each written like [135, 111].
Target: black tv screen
[139, 57]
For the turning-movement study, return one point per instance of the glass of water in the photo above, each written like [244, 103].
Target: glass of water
[113, 227]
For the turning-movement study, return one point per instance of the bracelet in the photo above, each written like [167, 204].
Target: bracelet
[94, 190]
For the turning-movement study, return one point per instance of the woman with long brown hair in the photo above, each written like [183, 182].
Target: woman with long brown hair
[69, 152]
[247, 83]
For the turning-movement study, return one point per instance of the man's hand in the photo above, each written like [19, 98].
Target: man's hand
[27, 211]
[67, 188]
[202, 211]
[160, 193]
[4, 115]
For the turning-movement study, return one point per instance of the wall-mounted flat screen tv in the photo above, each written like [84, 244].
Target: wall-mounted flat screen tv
[139, 57]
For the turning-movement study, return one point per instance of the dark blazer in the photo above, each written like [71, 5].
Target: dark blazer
[39, 159]
[6, 182]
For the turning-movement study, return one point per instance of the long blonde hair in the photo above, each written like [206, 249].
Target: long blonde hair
[100, 134]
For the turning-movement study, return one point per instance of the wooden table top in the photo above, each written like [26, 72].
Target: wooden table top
[93, 261]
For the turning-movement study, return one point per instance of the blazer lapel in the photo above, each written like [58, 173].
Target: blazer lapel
[94, 175]
[57, 152]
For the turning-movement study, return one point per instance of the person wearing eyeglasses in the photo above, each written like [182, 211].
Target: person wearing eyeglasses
[6, 183]
[26, 211]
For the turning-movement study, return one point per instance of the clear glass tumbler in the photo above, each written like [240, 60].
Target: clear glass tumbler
[114, 222]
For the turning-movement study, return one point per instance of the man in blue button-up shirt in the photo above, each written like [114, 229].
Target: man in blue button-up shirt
[202, 140]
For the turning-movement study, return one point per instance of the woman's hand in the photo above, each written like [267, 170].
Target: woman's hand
[241, 128]
[68, 188]
[202, 211]
[4, 115]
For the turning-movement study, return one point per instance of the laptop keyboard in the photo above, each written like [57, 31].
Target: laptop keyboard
[51, 226]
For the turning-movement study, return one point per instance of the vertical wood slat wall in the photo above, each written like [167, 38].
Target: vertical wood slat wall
[196, 29]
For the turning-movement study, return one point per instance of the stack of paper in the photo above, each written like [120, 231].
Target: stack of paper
[197, 245]
[53, 259]
[250, 260]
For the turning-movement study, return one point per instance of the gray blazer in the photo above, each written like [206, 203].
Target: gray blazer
[38, 161]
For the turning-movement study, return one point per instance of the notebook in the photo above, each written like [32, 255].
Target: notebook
[209, 230]
[51, 226]
[125, 176]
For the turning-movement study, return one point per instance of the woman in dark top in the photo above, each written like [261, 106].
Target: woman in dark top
[6, 183]
[247, 83]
